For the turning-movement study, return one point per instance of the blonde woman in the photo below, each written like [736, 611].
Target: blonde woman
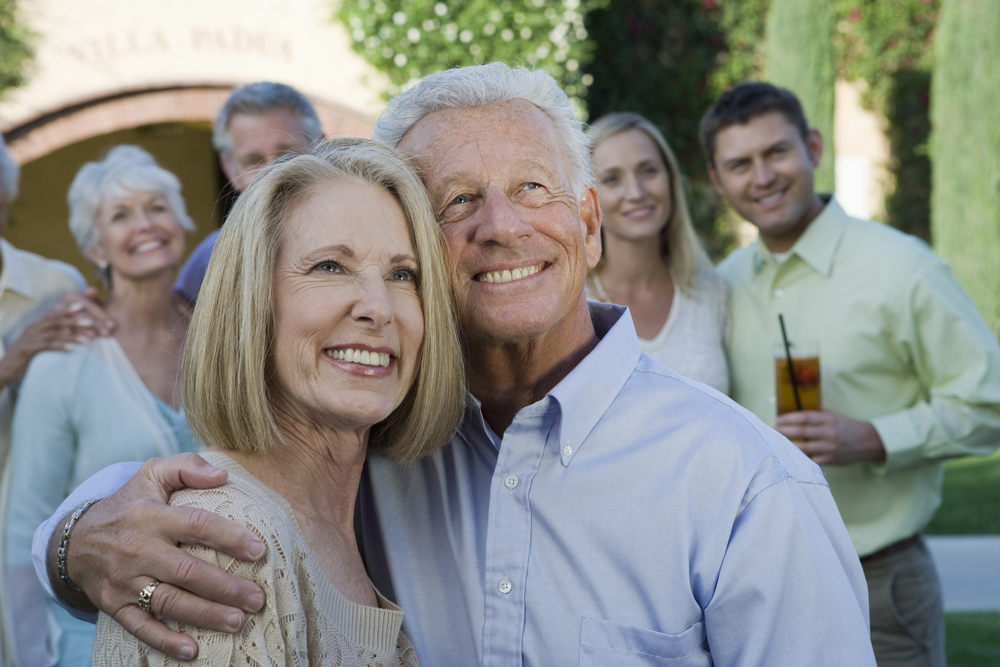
[324, 327]
[652, 260]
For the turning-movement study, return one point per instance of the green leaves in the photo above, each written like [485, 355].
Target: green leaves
[409, 40]
[15, 47]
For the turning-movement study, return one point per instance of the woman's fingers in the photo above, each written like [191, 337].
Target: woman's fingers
[88, 312]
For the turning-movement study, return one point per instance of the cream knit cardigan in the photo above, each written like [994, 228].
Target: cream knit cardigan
[306, 621]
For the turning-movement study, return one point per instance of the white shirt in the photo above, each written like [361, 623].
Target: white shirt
[693, 340]
[29, 286]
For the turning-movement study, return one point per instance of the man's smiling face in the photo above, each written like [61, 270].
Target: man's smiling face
[764, 169]
[520, 239]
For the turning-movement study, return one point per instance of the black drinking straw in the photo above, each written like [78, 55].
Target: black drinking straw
[788, 358]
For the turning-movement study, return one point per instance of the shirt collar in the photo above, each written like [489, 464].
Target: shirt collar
[15, 276]
[586, 393]
[818, 244]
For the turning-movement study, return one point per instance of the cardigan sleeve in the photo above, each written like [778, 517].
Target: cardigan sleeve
[304, 621]
[269, 637]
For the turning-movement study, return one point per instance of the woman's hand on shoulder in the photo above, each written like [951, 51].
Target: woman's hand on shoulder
[74, 320]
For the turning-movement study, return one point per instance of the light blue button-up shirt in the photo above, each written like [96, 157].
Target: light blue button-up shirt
[630, 517]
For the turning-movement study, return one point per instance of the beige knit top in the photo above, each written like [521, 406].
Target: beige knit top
[306, 621]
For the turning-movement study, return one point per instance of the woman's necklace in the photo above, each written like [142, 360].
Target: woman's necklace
[600, 289]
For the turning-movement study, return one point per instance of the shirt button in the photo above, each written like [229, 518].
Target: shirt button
[567, 451]
[504, 586]
[510, 481]
[779, 293]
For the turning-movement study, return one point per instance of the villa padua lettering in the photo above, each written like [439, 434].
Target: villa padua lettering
[202, 40]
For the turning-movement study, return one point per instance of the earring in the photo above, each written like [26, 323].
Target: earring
[103, 266]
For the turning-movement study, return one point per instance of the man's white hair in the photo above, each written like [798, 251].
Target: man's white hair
[259, 99]
[481, 85]
[10, 174]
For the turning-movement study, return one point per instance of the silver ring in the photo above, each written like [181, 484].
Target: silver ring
[146, 595]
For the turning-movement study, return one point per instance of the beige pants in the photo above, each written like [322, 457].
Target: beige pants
[906, 609]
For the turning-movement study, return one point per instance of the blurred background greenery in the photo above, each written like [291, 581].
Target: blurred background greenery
[668, 59]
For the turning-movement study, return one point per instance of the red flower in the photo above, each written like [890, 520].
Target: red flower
[634, 25]
[855, 15]
[709, 4]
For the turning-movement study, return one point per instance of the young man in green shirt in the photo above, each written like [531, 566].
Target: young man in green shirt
[910, 371]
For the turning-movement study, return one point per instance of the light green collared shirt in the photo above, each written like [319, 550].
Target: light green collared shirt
[901, 346]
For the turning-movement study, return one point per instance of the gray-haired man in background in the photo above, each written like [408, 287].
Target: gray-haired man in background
[259, 123]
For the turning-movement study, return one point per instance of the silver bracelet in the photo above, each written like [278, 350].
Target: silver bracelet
[64, 543]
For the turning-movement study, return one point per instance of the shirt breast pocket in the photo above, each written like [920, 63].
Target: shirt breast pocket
[605, 643]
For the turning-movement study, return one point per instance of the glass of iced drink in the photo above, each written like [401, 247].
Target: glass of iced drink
[805, 367]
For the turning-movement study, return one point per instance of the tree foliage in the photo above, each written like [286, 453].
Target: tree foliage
[965, 147]
[668, 59]
[15, 47]
[409, 39]
[660, 58]
[800, 58]
[743, 59]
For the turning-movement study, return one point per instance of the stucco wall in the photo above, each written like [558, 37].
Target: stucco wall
[91, 47]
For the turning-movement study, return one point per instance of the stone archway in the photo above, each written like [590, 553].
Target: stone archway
[50, 130]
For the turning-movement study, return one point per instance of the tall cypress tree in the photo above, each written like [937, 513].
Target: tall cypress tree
[965, 148]
[800, 58]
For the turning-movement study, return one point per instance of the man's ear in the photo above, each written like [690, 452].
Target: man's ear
[814, 144]
[712, 176]
[590, 216]
[227, 169]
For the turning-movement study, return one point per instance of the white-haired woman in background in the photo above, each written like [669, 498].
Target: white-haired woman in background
[653, 261]
[113, 399]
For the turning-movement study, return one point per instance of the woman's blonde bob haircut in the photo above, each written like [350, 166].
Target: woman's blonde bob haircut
[229, 362]
[679, 244]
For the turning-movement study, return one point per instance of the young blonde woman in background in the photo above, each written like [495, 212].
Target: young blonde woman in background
[652, 260]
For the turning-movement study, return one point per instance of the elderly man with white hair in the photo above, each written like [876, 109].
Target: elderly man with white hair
[595, 508]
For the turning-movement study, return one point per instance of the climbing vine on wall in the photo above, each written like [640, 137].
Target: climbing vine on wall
[889, 46]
